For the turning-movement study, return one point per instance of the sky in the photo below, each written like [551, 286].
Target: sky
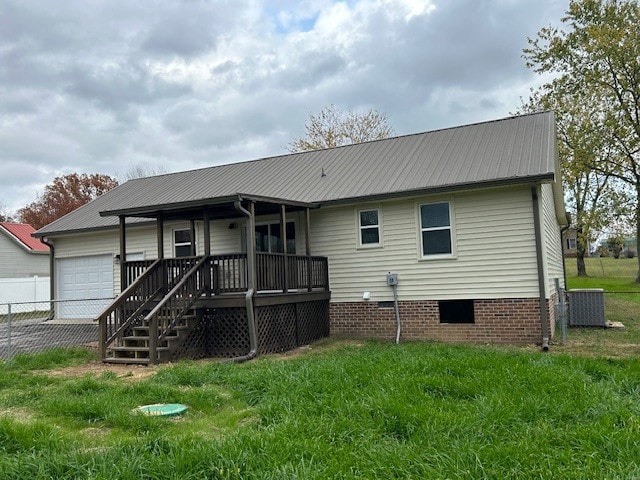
[107, 86]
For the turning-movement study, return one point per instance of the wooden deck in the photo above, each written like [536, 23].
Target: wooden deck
[174, 308]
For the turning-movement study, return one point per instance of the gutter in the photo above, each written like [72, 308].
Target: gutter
[544, 314]
[52, 277]
[248, 298]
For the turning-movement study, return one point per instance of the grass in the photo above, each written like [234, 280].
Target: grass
[622, 304]
[347, 411]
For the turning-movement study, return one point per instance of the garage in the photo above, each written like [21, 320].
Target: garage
[89, 280]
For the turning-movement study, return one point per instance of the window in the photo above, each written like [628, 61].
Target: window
[369, 223]
[182, 243]
[571, 243]
[456, 311]
[268, 238]
[435, 229]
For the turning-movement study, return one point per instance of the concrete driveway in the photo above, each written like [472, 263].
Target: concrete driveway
[36, 335]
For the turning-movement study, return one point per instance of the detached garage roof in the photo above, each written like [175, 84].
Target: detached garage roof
[513, 150]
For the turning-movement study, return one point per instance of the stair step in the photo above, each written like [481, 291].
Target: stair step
[139, 361]
[144, 329]
[145, 338]
[137, 349]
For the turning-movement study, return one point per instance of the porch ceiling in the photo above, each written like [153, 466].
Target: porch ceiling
[217, 208]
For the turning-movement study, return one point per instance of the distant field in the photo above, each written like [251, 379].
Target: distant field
[622, 304]
[611, 274]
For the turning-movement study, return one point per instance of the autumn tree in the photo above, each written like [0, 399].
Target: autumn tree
[599, 54]
[332, 127]
[63, 195]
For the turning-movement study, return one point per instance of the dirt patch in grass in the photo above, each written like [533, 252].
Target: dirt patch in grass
[19, 414]
[131, 372]
[321, 346]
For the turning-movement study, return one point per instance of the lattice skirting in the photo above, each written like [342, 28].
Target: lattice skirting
[224, 332]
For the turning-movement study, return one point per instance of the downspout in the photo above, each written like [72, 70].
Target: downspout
[544, 316]
[564, 266]
[248, 298]
[52, 277]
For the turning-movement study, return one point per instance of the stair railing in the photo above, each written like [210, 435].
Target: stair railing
[175, 304]
[127, 306]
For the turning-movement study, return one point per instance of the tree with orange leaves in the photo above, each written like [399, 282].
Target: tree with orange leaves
[64, 195]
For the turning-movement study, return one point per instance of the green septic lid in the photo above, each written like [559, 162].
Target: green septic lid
[164, 409]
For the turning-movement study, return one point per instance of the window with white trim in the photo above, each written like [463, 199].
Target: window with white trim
[369, 226]
[182, 243]
[436, 237]
[571, 243]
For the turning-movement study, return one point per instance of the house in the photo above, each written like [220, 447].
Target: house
[468, 218]
[22, 255]
[570, 243]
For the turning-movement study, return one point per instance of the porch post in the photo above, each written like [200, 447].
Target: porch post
[307, 239]
[283, 239]
[207, 232]
[307, 235]
[123, 254]
[207, 250]
[251, 247]
[192, 230]
[160, 235]
[160, 238]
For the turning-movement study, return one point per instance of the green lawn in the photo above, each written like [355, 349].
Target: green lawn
[611, 274]
[338, 410]
[622, 304]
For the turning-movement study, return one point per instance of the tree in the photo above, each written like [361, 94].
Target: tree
[600, 55]
[5, 216]
[63, 195]
[333, 127]
[141, 171]
[593, 197]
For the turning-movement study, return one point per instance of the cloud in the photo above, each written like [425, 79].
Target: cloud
[100, 87]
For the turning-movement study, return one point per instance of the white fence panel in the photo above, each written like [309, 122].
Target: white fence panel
[29, 289]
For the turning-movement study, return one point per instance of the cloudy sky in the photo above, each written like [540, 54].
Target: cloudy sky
[102, 86]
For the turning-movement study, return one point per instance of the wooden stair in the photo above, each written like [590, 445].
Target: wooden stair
[134, 348]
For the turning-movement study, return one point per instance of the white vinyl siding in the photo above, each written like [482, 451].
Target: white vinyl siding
[552, 243]
[495, 250]
[17, 262]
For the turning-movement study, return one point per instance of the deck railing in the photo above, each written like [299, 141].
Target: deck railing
[228, 273]
[283, 272]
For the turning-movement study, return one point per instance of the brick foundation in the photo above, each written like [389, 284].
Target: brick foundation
[510, 320]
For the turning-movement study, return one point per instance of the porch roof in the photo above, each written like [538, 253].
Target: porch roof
[221, 207]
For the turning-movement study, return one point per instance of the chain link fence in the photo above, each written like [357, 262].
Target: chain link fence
[28, 327]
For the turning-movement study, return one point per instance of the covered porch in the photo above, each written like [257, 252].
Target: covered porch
[233, 305]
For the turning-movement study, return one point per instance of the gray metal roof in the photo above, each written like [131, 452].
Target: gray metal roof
[518, 149]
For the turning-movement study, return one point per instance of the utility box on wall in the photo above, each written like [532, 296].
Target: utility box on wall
[586, 307]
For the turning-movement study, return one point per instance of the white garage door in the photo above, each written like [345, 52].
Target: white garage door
[85, 279]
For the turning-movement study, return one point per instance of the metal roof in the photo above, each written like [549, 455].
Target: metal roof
[513, 150]
[21, 234]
